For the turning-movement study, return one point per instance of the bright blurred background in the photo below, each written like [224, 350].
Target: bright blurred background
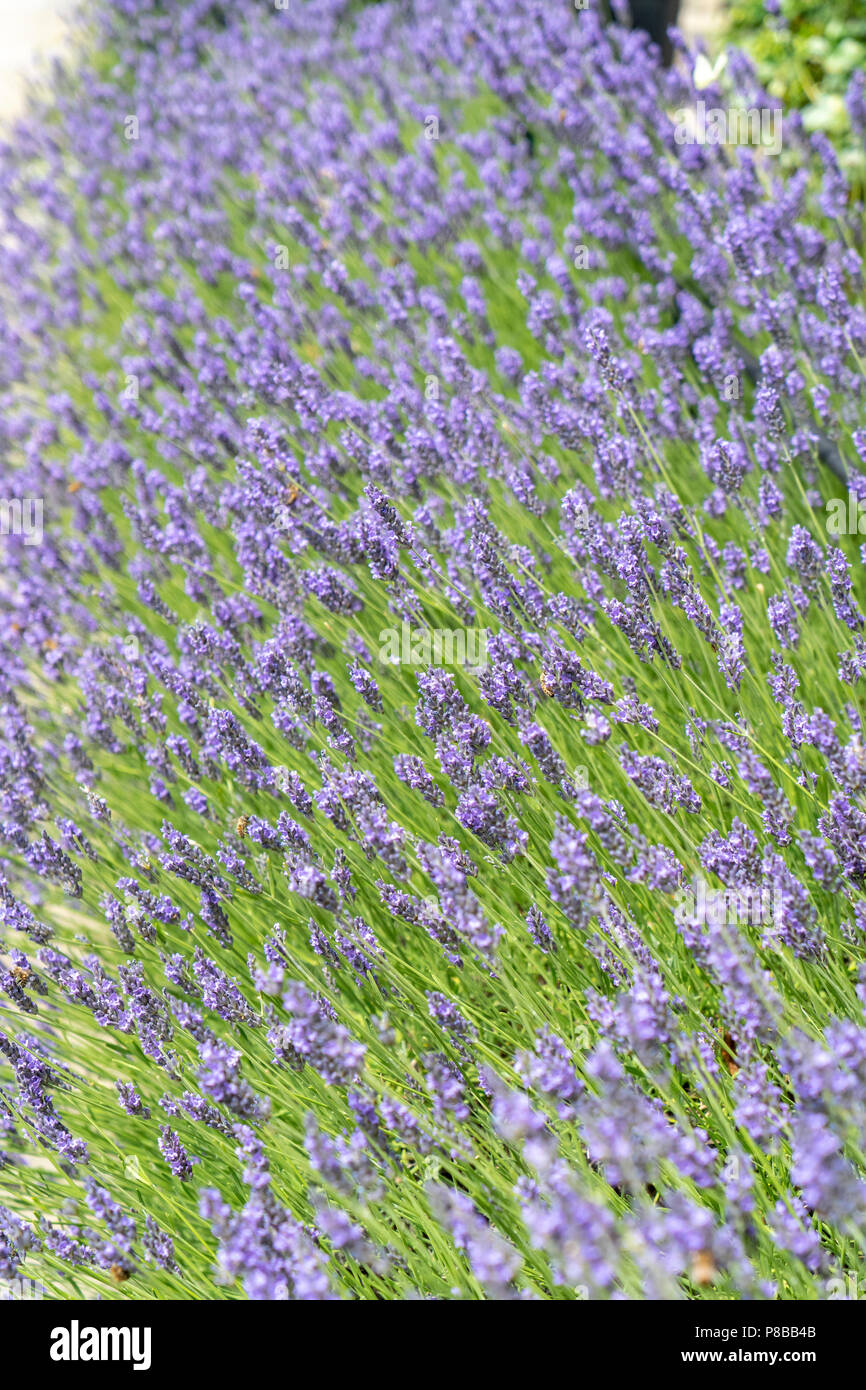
[31, 32]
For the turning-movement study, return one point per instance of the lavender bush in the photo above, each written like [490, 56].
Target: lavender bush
[339, 963]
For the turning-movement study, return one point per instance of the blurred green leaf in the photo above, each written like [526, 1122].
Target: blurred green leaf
[830, 114]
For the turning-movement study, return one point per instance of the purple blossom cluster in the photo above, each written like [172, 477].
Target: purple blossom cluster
[363, 317]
